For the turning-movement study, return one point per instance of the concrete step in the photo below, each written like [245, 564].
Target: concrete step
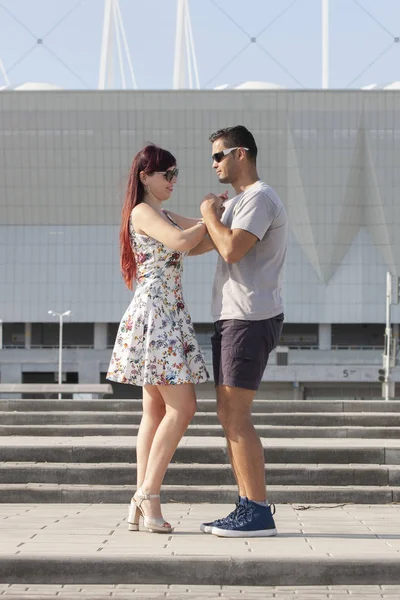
[269, 431]
[288, 571]
[200, 450]
[90, 544]
[199, 474]
[85, 591]
[259, 570]
[106, 494]
[266, 406]
[376, 419]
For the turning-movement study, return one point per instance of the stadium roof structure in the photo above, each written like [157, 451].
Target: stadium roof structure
[116, 64]
[30, 86]
[250, 85]
[394, 85]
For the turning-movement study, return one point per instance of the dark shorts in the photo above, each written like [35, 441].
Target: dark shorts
[241, 350]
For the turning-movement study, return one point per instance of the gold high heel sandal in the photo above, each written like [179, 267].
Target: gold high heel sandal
[152, 524]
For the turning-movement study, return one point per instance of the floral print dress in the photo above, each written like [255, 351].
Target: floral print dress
[156, 343]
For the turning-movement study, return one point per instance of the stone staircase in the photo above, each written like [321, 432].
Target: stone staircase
[84, 451]
[273, 419]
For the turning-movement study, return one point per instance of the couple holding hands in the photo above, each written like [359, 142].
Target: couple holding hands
[156, 345]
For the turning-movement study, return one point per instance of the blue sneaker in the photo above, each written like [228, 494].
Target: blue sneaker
[208, 527]
[253, 520]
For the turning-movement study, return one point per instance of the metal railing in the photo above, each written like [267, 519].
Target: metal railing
[48, 347]
[203, 346]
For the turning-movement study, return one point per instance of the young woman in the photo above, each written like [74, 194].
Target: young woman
[156, 345]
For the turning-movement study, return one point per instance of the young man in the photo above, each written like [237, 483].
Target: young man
[247, 309]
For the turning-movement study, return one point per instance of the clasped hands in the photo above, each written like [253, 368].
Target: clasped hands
[213, 203]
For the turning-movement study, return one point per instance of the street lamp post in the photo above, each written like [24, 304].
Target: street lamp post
[60, 316]
[391, 342]
[388, 338]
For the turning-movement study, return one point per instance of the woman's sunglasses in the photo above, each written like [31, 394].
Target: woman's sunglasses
[170, 174]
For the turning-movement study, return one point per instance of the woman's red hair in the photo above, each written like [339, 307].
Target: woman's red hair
[150, 159]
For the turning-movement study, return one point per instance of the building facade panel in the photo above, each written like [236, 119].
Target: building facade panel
[64, 157]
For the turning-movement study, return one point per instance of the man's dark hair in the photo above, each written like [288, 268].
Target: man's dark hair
[237, 136]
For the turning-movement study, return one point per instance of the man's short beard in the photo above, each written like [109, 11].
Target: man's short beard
[224, 179]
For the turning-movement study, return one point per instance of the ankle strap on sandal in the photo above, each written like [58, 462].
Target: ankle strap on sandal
[140, 495]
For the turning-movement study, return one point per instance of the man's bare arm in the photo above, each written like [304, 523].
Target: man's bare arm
[205, 245]
[232, 244]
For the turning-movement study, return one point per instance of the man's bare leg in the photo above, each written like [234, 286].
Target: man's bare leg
[244, 445]
[239, 482]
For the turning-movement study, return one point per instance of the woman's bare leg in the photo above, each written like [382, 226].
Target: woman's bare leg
[180, 406]
[153, 414]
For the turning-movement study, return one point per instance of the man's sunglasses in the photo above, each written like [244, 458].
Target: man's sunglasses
[218, 156]
[170, 174]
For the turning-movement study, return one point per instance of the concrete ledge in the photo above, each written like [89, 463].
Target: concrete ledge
[198, 474]
[120, 494]
[259, 405]
[209, 454]
[214, 570]
[269, 431]
[206, 419]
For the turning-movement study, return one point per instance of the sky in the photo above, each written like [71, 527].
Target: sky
[363, 49]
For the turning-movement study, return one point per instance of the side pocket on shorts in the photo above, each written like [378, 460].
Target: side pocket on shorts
[245, 352]
[245, 355]
[276, 326]
[246, 367]
[216, 356]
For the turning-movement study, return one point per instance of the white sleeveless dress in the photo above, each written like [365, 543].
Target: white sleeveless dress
[156, 343]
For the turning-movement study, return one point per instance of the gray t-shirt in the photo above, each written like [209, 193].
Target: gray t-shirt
[250, 289]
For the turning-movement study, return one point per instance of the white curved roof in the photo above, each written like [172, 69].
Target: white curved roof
[250, 85]
[394, 85]
[32, 86]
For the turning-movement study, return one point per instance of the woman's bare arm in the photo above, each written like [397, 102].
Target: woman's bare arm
[184, 222]
[187, 222]
[148, 221]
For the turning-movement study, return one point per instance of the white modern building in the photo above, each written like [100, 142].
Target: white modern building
[333, 156]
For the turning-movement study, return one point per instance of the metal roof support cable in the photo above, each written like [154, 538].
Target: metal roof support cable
[3, 73]
[373, 18]
[39, 40]
[285, 10]
[119, 48]
[274, 20]
[395, 40]
[279, 64]
[230, 18]
[254, 40]
[372, 63]
[8, 11]
[64, 18]
[190, 69]
[60, 60]
[125, 41]
[193, 62]
[22, 57]
[228, 64]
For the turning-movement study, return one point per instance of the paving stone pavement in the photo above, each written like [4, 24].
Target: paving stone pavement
[48, 533]
[204, 592]
[95, 530]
